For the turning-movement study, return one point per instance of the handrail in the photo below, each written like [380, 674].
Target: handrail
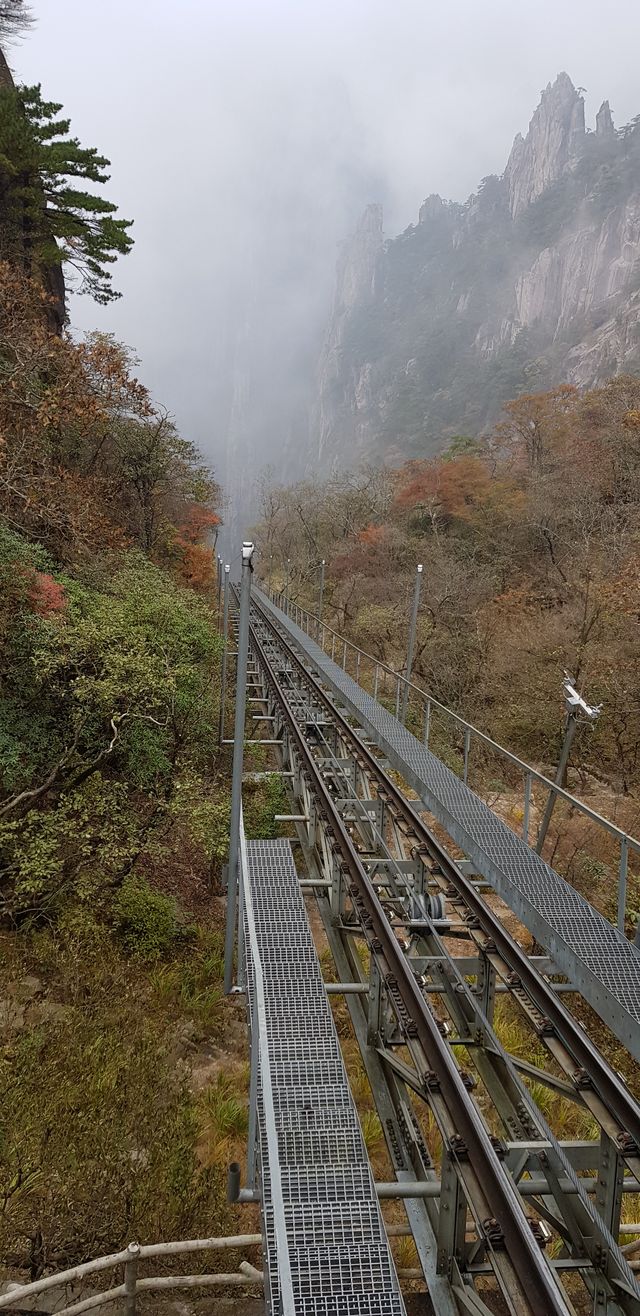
[130, 1256]
[625, 840]
[287, 1301]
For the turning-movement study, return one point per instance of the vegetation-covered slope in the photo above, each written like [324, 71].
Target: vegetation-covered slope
[531, 552]
[116, 1120]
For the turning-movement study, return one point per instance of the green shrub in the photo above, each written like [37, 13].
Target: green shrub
[110, 697]
[100, 1137]
[146, 920]
[268, 799]
[72, 852]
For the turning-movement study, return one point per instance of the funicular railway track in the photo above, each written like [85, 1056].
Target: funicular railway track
[499, 1186]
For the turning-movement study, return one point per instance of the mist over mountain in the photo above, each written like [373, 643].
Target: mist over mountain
[535, 280]
[245, 142]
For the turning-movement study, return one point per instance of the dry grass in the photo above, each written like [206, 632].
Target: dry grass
[224, 1118]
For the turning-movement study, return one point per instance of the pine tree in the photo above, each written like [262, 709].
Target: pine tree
[44, 213]
[15, 18]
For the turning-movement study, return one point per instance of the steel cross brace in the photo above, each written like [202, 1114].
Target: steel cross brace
[346, 769]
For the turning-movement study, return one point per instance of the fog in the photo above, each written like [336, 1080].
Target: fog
[247, 138]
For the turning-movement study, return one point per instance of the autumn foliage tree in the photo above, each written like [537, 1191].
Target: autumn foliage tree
[530, 542]
[194, 553]
[105, 657]
[87, 460]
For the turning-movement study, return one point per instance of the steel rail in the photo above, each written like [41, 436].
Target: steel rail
[508, 1224]
[589, 1059]
[555, 790]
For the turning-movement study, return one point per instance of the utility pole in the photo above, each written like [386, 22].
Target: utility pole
[575, 704]
[225, 645]
[321, 592]
[412, 640]
[219, 565]
[286, 588]
[238, 756]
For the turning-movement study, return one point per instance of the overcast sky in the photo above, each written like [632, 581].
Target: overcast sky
[247, 136]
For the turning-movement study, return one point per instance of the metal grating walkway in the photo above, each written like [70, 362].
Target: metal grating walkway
[339, 1256]
[584, 945]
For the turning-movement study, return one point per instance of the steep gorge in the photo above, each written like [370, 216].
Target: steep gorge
[533, 281]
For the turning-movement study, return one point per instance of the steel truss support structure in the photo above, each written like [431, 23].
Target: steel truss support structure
[510, 1206]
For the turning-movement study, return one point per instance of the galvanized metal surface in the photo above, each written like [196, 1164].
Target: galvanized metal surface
[338, 1254]
[431, 704]
[238, 755]
[584, 946]
[486, 1184]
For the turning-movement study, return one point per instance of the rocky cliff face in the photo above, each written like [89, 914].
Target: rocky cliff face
[355, 292]
[554, 142]
[534, 280]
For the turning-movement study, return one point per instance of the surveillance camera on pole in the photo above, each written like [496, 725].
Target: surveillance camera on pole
[575, 705]
[575, 702]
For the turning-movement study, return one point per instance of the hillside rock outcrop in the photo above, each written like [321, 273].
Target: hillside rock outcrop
[533, 281]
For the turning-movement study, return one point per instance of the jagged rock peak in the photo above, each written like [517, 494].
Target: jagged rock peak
[370, 221]
[555, 138]
[604, 121]
[358, 259]
[431, 208]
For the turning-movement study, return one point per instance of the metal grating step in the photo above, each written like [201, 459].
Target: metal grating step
[328, 1146]
[327, 1186]
[583, 944]
[305, 1048]
[341, 1270]
[306, 1098]
[354, 1224]
[359, 1304]
[338, 1253]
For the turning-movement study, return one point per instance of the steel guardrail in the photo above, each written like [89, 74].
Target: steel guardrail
[595, 956]
[625, 840]
[539, 1291]
[589, 1059]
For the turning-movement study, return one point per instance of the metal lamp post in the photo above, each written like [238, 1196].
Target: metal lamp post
[238, 756]
[412, 640]
[286, 588]
[225, 645]
[321, 593]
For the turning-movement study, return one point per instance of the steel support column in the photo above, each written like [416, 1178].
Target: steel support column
[238, 756]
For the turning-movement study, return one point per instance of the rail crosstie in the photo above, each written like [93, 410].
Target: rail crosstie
[584, 946]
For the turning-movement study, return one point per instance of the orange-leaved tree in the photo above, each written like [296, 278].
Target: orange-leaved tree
[194, 545]
[87, 461]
